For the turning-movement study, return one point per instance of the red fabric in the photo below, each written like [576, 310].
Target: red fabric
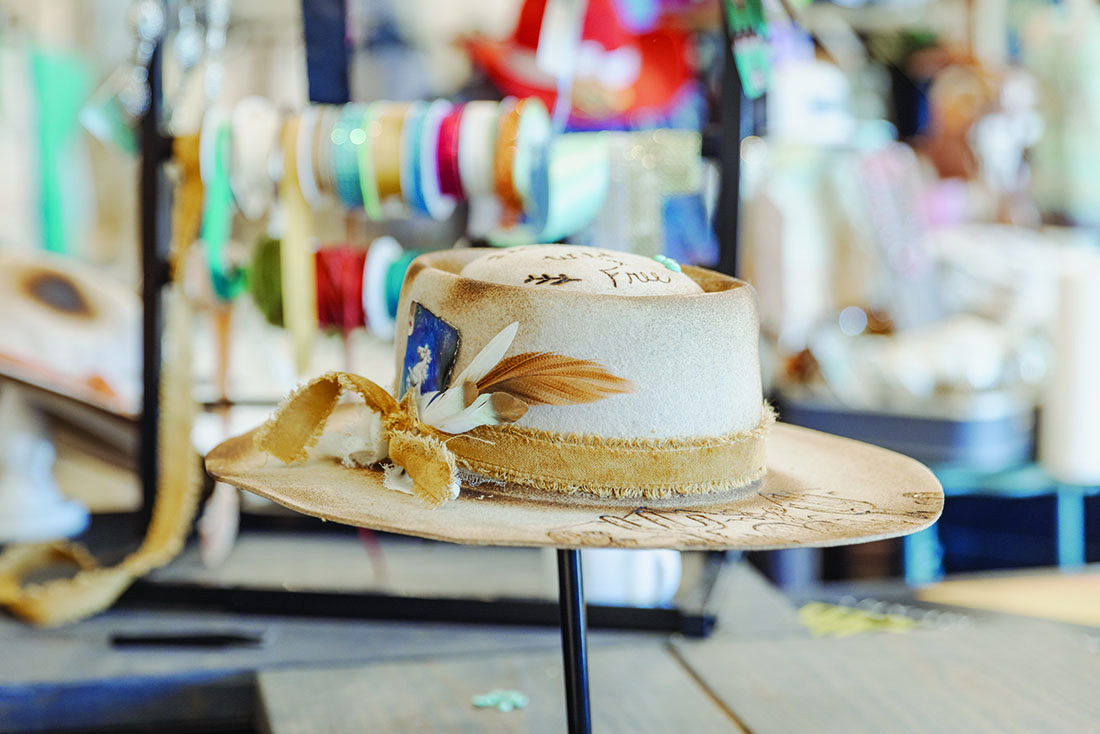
[601, 24]
[666, 68]
[667, 57]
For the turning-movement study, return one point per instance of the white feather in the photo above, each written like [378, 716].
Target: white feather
[440, 406]
[478, 413]
[448, 411]
[488, 357]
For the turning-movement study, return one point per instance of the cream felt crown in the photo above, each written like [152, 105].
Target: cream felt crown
[556, 368]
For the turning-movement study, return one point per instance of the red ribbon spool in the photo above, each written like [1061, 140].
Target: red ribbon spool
[340, 287]
[450, 183]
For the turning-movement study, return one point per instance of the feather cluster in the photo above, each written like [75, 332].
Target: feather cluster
[494, 390]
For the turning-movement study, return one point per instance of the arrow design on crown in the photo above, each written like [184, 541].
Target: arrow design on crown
[544, 279]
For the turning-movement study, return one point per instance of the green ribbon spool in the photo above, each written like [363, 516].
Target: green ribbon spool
[367, 181]
[265, 279]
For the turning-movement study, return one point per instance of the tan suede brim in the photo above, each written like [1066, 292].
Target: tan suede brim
[819, 490]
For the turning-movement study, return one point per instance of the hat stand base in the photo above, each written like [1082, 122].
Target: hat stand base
[574, 641]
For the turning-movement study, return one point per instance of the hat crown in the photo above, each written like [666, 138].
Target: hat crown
[576, 269]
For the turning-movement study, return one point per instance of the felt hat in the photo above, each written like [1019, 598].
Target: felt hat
[569, 396]
[69, 330]
[622, 76]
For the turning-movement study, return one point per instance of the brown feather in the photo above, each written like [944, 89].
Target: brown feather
[507, 408]
[469, 393]
[505, 367]
[545, 378]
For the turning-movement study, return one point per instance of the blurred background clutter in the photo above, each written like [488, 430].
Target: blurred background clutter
[910, 185]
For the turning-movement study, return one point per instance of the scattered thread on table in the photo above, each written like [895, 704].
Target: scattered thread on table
[501, 700]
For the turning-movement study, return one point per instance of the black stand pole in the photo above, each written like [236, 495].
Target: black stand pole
[155, 149]
[574, 643]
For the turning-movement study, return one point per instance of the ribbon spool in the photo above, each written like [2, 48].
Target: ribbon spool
[368, 183]
[305, 163]
[340, 272]
[255, 135]
[383, 274]
[265, 281]
[386, 139]
[438, 205]
[504, 152]
[347, 137]
[476, 139]
[327, 116]
[395, 277]
[521, 161]
[579, 176]
[530, 161]
[450, 183]
[412, 190]
[380, 156]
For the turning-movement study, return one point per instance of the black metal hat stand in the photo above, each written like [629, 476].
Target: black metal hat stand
[156, 148]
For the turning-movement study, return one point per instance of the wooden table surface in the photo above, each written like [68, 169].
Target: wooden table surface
[760, 672]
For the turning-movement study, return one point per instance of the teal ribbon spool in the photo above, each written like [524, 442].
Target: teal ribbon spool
[579, 178]
[347, 135]
[395, 277]
[217, 221]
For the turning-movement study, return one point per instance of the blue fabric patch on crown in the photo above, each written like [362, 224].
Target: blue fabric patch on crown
[433, 338]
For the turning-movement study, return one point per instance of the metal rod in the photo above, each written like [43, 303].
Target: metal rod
[729, 194]
[574, 643]
[152, 278]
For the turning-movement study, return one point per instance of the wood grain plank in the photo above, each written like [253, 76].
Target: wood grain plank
[1001, 679]
[44, 674]
[635, 689]
[750, 608]
[81, 653]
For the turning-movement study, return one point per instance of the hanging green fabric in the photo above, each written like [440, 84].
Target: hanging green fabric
[748, 30]
[60, 86]
[228, 281]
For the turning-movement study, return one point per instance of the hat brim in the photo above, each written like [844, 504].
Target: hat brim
[83, 315]
[820, 490]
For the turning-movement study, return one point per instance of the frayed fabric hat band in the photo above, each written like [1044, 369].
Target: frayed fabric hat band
[554, 462]
[616, 467]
